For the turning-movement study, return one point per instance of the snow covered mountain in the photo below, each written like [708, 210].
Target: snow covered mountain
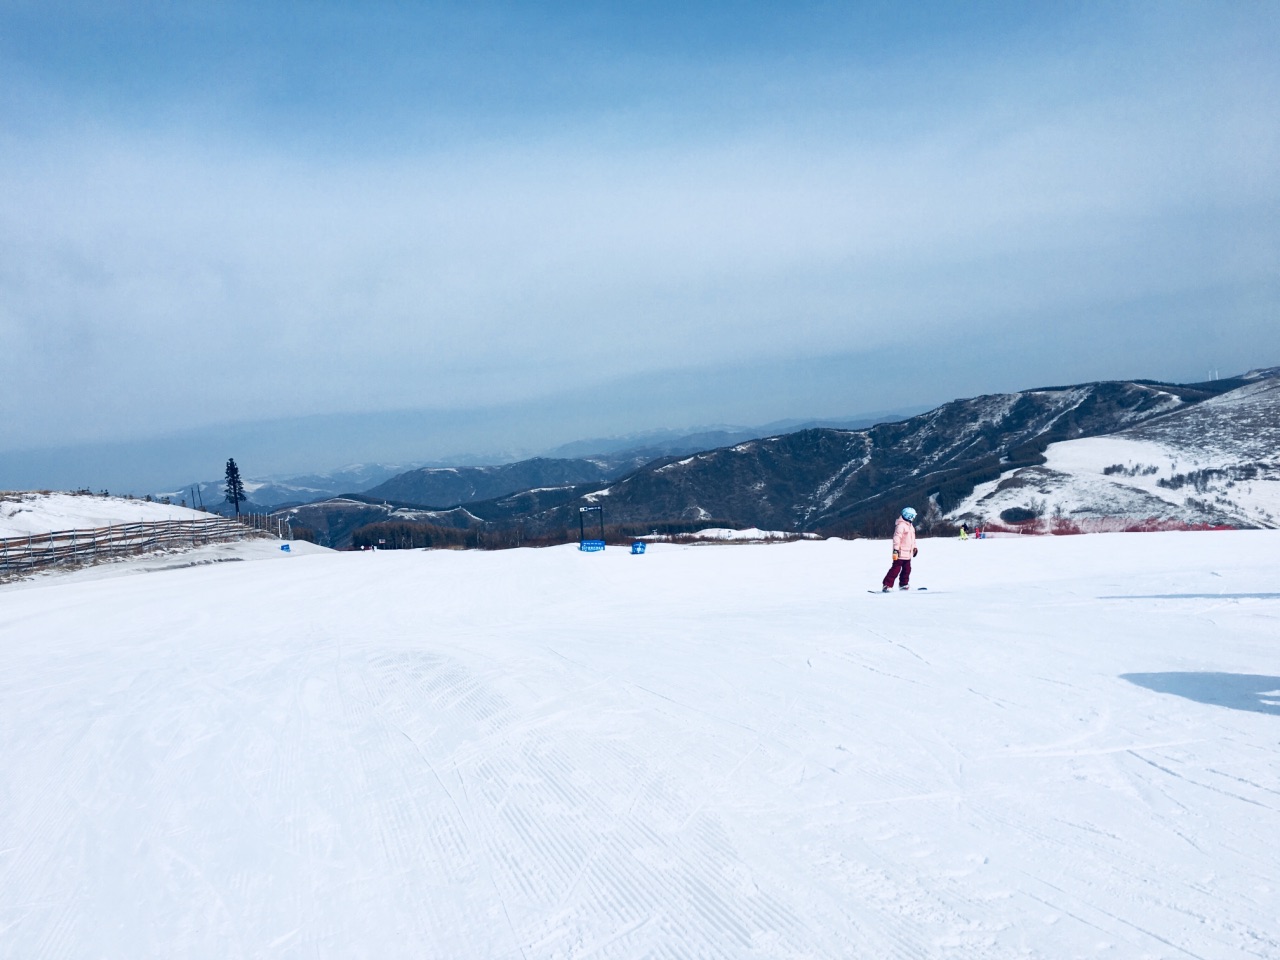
[1216, 462]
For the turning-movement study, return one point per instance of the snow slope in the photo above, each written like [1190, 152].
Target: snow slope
[1217, 462]
[1065, 748]
[26, 513]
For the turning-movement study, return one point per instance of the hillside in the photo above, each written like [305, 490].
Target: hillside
[592, 461]
[699, 752]
[333, 522]
[448, 486]
[1217, 462]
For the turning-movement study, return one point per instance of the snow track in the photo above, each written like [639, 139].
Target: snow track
[1068, 751]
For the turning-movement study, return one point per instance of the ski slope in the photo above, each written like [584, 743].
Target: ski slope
[1066, 748]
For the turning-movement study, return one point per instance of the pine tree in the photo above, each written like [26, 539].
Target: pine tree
[234, 489]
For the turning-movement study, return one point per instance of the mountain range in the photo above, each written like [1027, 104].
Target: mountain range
[853, 481]
[462, 480]
[270, 494]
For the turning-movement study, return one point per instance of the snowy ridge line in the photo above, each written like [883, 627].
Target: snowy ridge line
[18, 554]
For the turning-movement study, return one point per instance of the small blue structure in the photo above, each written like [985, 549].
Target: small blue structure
[637, 547]
[591, 546]
[285, 547]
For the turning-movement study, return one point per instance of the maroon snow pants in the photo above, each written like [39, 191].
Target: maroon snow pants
[899, 566]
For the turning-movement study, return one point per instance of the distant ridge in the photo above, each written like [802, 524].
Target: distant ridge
[829, 481]
[644, 447]
[597, 461]
[462, 479]
[448, 486]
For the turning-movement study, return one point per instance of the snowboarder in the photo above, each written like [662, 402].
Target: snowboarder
[904, 549]
[964, 531]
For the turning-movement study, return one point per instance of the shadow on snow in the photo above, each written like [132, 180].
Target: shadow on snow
[1239, 691]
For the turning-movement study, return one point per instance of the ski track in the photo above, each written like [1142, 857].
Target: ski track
[698, 753]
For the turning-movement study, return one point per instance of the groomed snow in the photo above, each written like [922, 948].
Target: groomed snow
[1067, 747]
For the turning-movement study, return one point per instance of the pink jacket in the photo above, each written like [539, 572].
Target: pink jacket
[904, 539]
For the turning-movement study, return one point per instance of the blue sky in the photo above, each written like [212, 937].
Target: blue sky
[619, 217]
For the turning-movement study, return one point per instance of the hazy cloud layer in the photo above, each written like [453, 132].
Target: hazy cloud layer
[226, 215]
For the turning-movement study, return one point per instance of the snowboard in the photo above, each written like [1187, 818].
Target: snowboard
[896, 590]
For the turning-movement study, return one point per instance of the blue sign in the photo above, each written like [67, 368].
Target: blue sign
[637, 547]
[591, 546]
[284, 547]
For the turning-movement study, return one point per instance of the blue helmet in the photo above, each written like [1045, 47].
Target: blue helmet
[908, 514]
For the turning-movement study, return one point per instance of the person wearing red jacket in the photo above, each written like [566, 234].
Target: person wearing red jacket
[904, 549]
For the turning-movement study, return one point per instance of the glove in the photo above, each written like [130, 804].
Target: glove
[915, 551]
[895, 554]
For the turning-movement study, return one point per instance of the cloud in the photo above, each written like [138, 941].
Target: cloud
[177, 273]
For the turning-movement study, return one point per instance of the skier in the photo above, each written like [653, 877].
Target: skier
[904, 549]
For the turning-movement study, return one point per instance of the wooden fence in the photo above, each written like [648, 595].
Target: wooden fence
[20, 555]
